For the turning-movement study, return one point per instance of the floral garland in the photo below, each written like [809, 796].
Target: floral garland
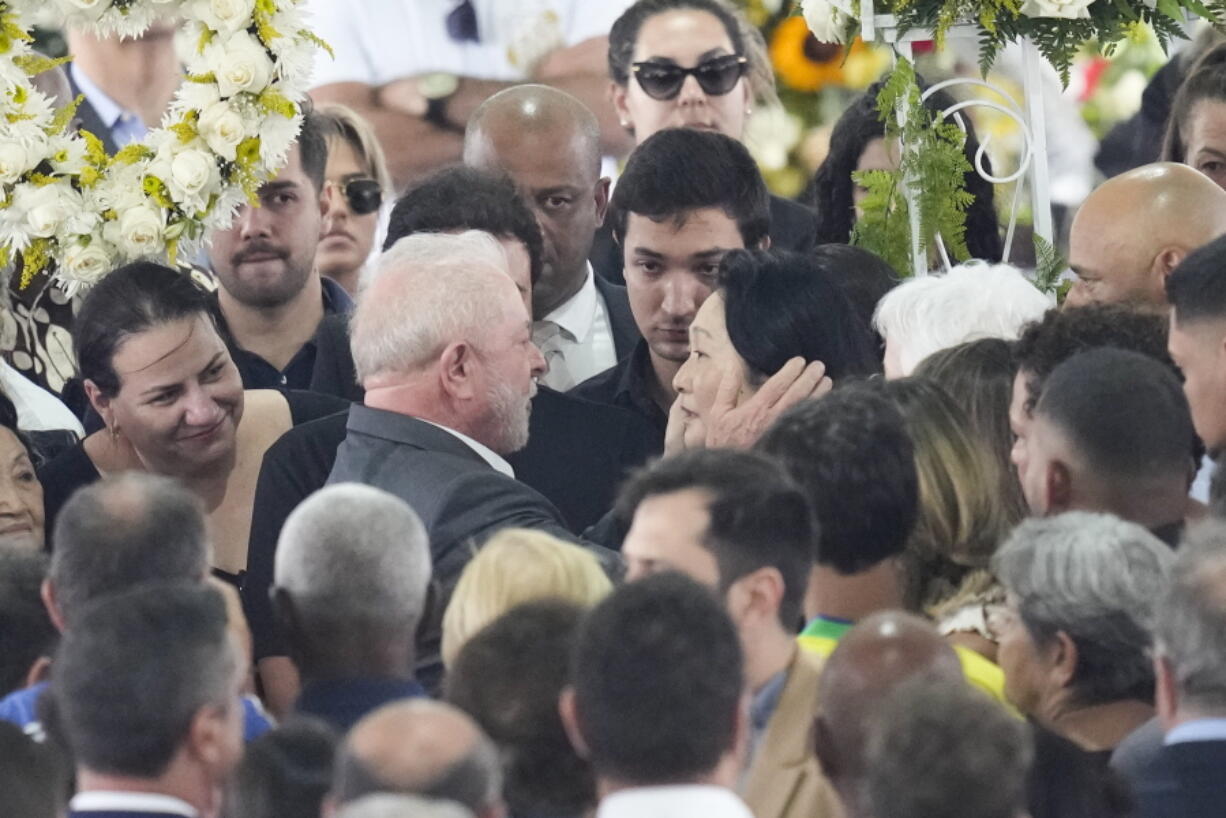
[1058, 28]
[66, 206]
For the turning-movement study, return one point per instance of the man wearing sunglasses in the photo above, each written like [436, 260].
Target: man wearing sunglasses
[271, 304]
[548, 143]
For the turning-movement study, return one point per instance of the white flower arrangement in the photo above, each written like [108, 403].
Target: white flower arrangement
[68, 206]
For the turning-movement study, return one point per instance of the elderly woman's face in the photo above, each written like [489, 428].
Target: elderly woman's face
[347, 237]
[686, 38]
[712, 357]
[180, 398]
[1026, 665]
[21, 496]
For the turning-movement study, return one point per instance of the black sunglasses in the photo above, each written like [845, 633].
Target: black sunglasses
[363, 194]
[716, 76]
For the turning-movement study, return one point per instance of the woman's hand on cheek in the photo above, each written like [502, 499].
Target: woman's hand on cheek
[739, 426]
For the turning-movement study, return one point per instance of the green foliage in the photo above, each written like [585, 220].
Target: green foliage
[1049, 265]
[933, 167]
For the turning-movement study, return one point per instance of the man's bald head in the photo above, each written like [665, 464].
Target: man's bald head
[420, 747]
[1136, 227]
[870, 662]
[529, 110]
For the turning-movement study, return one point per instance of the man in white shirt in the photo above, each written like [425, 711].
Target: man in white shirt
[548, 143]
[148, 687]
[657, 702]
[417, 69]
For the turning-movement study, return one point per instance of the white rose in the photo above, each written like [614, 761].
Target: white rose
[46, 208]
[240, 63]
[827, 23]
[1061, 9]
[226, 16]
[15, 160]
[191, 171]
[87, 264]
[221, 128]
[140, 231]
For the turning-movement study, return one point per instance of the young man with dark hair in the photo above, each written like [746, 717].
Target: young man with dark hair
[1197, 293]
[1112, 433]
[685, 198]
[853, 459]
[656, 701]
[734, 522]
[271, 302]
[148, 688]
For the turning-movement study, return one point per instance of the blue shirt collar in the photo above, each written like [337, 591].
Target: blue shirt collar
[1199, 730]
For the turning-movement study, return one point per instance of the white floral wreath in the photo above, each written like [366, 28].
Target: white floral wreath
[65, 204]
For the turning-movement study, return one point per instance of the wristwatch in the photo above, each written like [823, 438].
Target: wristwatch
[436, 89]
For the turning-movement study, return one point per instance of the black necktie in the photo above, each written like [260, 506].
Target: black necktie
[462, 23]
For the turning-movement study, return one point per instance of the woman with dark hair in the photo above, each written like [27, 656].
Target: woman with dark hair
[21, 494]
[770, 307]
[160, 376]
[692, 64]
[1196, 129]
[858, 143]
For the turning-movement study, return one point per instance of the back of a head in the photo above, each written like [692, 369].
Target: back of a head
[1196, 289]
[1190, 621]
[508, 677]
[853, 459]
[1097, 579]
[384, 805]
[134, 671]
[1124, 413]
[34, 780]
[124, 531]
[679, 170]
[461, 198]
[130, 299]
[355, 560]
[780, 305]
[419, 747]
[945, 750]
[1060, 334]
[286, 772]
[657, 675]
[974, 300]
[427, 291]
[872, 660]
[26, 631]
[758, 517]
[518, 565]
[864, 276]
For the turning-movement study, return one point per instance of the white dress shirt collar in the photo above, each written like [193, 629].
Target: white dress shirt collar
[577, 313]
[679, 801]
[496, 461]
[106, 801]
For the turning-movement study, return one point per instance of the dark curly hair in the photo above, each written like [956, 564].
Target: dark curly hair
[1061, 334]
[831, 191]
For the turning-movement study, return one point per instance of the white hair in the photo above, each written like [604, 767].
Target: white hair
[429, 290]
[388, 805]
[355, 553]
[974, 300]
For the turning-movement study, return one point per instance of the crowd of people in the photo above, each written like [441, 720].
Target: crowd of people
[463, 482]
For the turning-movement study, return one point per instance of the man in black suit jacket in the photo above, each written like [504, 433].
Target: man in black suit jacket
[1186, 780]
[548, 143]
[148, 693]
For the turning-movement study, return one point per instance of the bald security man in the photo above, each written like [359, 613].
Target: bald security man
[548, 143]
[1135, 228]
[419, 747]
[872, 661]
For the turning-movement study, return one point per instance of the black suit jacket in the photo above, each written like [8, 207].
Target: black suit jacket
[88, 120]
[1188, 780]
[621, 319]
[793, 227]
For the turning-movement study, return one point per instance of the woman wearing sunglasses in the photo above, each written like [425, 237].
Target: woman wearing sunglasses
[692, 64]
[357, 176]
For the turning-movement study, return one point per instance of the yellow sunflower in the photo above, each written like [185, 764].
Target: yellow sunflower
[800, 61]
